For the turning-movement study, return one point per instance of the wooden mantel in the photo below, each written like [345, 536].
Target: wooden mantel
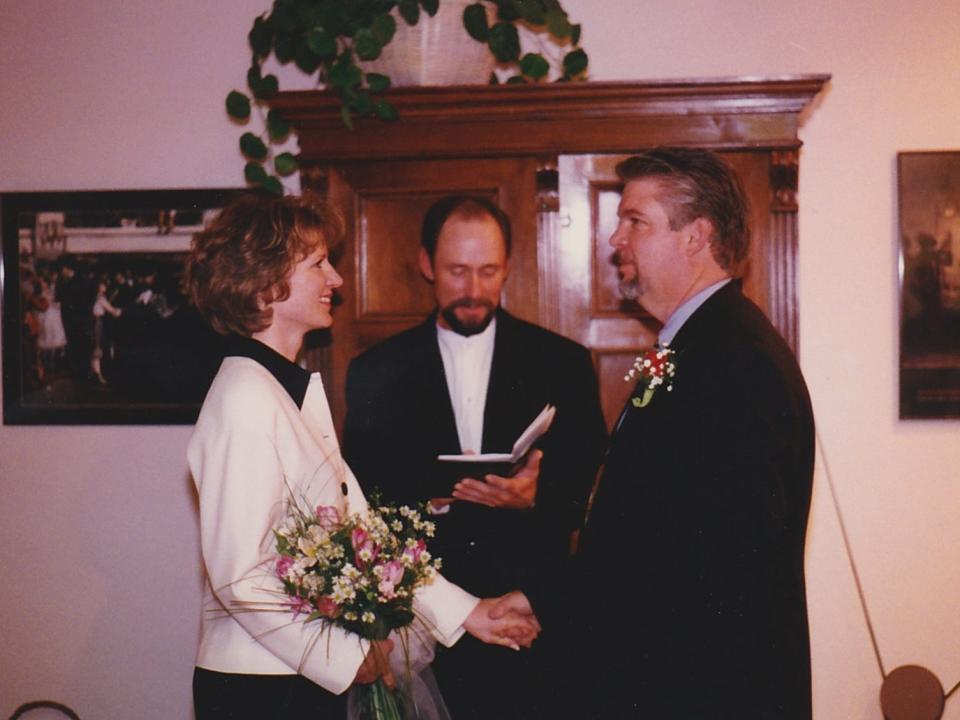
[468, 121]
[546, 154]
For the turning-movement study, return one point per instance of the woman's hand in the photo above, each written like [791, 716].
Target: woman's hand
[377, 664]
[508, 621]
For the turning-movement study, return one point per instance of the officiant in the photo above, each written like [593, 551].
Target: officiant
[470, 378]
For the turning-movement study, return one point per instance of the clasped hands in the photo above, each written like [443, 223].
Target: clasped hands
[507, 620]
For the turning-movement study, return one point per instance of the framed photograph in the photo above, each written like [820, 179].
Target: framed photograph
[96, 327]
[929, 209]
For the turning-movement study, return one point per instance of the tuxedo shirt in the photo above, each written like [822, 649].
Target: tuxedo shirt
[264, 437]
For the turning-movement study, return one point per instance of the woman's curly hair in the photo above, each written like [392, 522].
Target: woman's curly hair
[239, 264]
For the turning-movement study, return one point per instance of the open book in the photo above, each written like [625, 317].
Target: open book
[503, 464]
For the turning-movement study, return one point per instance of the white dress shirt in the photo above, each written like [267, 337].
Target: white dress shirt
[466, 364]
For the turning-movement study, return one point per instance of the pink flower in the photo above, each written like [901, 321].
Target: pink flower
[413, 553]
[326, 606]
[284, 563]
[364, 549]
[391, 573]
[298, 605]
[328, 516]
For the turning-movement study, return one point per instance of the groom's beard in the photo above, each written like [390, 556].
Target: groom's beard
[630, 289]
[629, 286]
[468, 327]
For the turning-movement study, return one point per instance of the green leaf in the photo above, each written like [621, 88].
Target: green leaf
[385, 111]
[574, 63]
[286, 164]
[409, 11]
[504, 42]
[345, 73]
[284, 16]
[322, 43]
[383, 28]
[305, 58]
[532, 12]
[254, 173]
[238, 105]
[360, 102]
[534, 66]
[378, 83]
[261, 37]
[284, 47]
[277, 126]
[475, 22]
[252, 146]
[507, 10]
[575, 33]
[558, 25]
[430, 6]
[266, 88]
[347, 118]
[366, 45]
[272, 185]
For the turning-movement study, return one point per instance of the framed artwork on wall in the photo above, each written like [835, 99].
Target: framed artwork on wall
[96, 327]
[929, 214]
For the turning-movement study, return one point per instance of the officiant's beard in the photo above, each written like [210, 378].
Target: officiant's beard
[470, 327]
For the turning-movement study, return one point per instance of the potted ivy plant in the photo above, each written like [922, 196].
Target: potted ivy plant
[334, 39]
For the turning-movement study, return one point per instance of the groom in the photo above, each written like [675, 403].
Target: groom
[692, 557]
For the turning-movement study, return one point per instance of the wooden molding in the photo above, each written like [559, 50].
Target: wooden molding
[588, 117]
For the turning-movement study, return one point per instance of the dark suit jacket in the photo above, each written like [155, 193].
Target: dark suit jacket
[399, 418]
[702, 508]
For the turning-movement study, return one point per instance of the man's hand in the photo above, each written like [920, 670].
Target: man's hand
[377, 664]
[518, 492]
[496, 621]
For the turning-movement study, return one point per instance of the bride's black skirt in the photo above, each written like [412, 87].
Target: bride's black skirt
[219, 696]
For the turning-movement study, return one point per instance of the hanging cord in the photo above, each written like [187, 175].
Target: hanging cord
[849, 549]
[853, 565]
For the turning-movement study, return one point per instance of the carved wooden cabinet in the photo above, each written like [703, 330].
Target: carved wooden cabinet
[546, 154]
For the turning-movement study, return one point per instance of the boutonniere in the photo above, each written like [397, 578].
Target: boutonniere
[652, 369]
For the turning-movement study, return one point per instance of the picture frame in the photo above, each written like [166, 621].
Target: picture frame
[928, 190]
[96, 326]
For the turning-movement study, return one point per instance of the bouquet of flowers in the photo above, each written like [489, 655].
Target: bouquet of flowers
[359, 573]
[652, 369]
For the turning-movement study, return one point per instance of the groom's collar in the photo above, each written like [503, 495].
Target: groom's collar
[676, 320]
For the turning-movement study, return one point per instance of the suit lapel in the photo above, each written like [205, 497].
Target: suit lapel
[505, 404]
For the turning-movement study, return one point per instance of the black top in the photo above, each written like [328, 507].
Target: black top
[291, 376]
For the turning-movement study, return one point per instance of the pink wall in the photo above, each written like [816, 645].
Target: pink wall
[99, 577]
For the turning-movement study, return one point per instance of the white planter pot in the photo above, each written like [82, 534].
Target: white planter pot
[435, 51]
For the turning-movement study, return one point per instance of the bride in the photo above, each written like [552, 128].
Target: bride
[261, 274]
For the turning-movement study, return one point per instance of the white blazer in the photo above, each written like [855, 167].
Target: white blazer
[253, 446]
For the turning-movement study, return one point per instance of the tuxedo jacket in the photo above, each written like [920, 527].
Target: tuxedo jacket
[703, 507]
[399, 418]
